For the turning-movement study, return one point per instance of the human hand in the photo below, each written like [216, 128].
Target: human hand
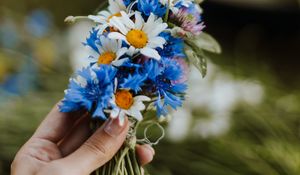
[63, 144]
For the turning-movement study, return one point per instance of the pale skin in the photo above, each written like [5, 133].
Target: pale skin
[63, 144]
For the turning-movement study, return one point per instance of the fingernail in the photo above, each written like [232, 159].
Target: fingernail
[113, 128]
[150, 149]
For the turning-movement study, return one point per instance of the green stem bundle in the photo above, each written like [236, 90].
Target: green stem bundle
[125, 162]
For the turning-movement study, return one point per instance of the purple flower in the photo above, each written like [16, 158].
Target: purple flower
[189, 19]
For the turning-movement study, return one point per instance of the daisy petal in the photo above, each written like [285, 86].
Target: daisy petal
[116, 35]
[120, 62]
[122, 116]
[93, 53]
[127, 21]
[141, 98]
[131, 51]
[148, 26]
[115, 113]
[113, 7]
[121, 52]
[152, 53]
[104, 13]
[139, 21]
[101, 28]
[139, 106]
[157, 30]
[135, 113]
[156, 42]
[115, 22]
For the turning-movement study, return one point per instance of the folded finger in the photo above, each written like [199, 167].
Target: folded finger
[56, 124]
[145, 154]
[77, 136]
[99, 148]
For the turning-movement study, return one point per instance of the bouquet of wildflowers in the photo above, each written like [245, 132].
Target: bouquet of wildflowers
[140, 51]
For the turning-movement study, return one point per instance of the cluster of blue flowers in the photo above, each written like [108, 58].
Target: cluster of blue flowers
[135, 62]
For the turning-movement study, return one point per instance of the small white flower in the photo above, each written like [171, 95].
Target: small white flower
[142, 36]
[70, 19]
[172, 4]
[109, 52]
[124, 103]
[103, 17]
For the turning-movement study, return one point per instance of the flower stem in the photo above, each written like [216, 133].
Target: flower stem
[110, 166]
[136, 166]
[121, 158]
[125, 161]
[97, 172]
[129, 164]
[168, 11]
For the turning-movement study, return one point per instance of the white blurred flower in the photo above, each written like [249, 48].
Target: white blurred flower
[218, 93]
[76, 34]
[180, 124]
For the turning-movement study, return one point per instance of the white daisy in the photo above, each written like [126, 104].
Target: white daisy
[124, 103]
[108, 51]
[103, 17]
[142, 36]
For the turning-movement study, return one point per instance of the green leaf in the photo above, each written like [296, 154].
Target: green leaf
[207, 42]
[198, 59]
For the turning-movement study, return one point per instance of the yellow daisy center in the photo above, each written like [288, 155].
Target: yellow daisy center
[137, 38]
[107, 58]
[124, 99]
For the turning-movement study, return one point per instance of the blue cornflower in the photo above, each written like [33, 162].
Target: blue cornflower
[183, 3]
[151, 6]
[92, 90]
[93, 39]
[173, 47]
[163, 81]
[133, 82]
[127, 68]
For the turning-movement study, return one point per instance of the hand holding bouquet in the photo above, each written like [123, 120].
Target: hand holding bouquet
[140, 52]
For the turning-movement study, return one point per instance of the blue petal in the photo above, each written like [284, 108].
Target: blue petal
[151, 69]
[172, 100]
[151, 6]
[133, 82]
[92, 40]
[98, 90]
[99, 112]
[179, 88]
[174, 47]
[160, 108]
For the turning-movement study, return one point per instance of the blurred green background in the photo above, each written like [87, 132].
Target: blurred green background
[242, 119]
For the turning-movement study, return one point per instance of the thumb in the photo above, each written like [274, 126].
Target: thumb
[98, 149]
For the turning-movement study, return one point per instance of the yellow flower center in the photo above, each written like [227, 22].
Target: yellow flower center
[124, 99]
[137, 38]
[106, 58]
[116, 14]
